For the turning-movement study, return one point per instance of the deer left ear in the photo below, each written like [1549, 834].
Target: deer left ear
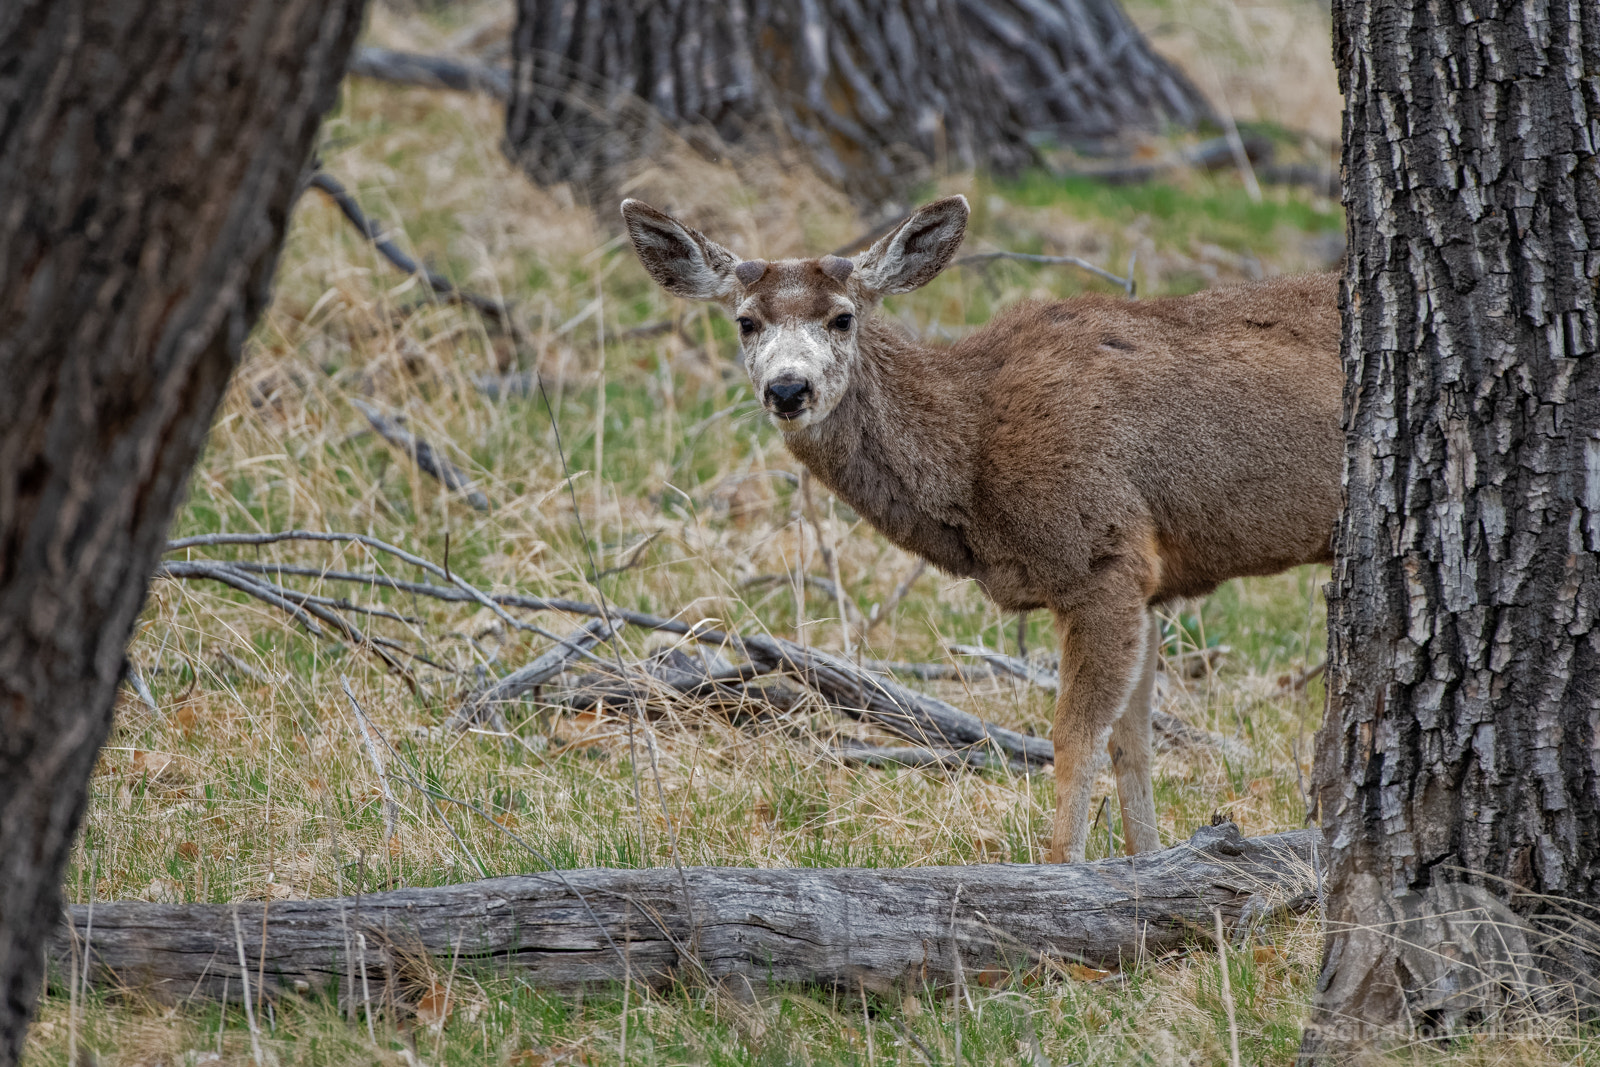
[683, 261]
[917, 250]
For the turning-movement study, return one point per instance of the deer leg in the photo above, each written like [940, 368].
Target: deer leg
[1130, 753]
[1102, 650]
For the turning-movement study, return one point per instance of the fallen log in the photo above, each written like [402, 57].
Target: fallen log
[884, 929]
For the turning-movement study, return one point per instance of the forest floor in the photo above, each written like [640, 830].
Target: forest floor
[247, 780]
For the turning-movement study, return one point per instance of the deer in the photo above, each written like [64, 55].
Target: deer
[1098, 457]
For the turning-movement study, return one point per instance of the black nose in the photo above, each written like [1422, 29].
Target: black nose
[787, 394]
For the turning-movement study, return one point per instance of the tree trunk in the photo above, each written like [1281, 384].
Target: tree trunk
[845, 927]
[149, 155]
[1078, 68]
[873, 93]
[1457, 771]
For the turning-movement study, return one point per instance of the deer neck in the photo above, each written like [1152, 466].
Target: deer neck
[898, 446]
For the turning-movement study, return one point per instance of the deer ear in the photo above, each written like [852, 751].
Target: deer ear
[917, 250]
[683, 261]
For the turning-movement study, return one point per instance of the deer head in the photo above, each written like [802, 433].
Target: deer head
[800, 320]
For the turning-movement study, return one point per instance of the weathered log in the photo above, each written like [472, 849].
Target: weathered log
[847, 927]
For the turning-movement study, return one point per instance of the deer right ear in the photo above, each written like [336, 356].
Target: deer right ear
[683, 261]
[916, 250]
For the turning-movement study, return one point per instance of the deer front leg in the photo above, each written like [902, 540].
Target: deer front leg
[1102, 651]
[1130, 753]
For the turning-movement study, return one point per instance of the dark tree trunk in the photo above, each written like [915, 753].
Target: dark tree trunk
[1457, 771]
[873, 93]
[149, 155]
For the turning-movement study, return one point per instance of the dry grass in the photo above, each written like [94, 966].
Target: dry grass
[250, 781]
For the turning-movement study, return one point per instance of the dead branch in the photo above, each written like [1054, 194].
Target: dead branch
[422, 453]
[884, 610]
[861, 754]
[286, 600]
[931, 672]
[441, 286]
[884, 929]
[922, 719]
[431, 72]
[482, 708]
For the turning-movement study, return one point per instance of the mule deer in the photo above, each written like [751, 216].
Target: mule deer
[1093, 456]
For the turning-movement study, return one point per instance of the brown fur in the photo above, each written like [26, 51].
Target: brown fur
[1164, 444]
[1094, 456]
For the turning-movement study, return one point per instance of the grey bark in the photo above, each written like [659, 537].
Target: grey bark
[149, 155]
[848, 927]
[1458, 772]
[872, 93]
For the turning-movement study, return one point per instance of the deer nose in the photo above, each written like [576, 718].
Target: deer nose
[787, 394]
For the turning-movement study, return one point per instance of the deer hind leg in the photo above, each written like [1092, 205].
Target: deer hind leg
[1130, 753]
[1102, 653]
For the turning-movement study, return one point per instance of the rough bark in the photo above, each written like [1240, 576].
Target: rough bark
[872, 93]
[848, 927]
[149, 154]
[1077, 68]
[1457, 771]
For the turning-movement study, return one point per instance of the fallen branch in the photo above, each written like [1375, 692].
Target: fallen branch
[431, 72]
[442, 287]
[482, 708]
[859, 754]
[422, 453]
[919, 718]
[922, 719]
[882, 929]
[299, 606]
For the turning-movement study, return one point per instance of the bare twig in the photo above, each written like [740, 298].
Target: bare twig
[422, 453]
[391, 807]
[277, 596]
[883, 611]
[918, 717]
[1168, 727]
[244, 977]
[482, 707]
[130, 674]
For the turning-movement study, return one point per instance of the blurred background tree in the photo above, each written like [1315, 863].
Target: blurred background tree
[872, 94]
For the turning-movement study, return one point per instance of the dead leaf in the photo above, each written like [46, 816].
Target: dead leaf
[188, 850]
[1084, 973]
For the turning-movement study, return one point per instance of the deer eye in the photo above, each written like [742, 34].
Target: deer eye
[842, 323]
[747, 325]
